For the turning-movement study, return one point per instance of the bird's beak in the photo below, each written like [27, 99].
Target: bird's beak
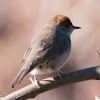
[76, 27]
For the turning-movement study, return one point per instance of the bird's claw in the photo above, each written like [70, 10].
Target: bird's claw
[60, 74]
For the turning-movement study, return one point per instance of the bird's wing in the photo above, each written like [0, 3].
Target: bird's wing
[49, 46]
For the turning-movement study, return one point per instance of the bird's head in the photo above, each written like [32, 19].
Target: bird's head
[64, 21]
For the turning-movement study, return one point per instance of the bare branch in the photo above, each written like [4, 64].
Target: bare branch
[47, 84]
[1, 96]
[98, 53]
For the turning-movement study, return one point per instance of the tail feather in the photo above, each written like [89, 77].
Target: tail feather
[19, 78]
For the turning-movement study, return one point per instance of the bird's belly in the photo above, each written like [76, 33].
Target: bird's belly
[61, 60]
[52, 65]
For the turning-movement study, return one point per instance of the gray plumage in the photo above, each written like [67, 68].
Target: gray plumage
[48, 52]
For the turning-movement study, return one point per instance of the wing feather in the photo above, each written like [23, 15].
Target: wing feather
[52, 45]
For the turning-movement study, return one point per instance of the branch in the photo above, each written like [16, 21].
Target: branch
[32, 90]
[98, 53]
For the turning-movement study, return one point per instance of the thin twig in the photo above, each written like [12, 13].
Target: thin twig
[32, 90]
[98, 53]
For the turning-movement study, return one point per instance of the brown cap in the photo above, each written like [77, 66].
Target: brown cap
[62, 20]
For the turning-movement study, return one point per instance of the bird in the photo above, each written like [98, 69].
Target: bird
[49, 50]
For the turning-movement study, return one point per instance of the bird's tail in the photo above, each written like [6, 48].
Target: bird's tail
[19, 78]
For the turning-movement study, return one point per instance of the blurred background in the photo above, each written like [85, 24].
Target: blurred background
[20, 20]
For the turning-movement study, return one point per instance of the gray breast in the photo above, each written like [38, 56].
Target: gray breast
[61, 60]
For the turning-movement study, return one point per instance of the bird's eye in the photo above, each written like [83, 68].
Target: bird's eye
[68, 27]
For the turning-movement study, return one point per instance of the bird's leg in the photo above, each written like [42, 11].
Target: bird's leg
[35, 79]
[60, 74]
[31, 80]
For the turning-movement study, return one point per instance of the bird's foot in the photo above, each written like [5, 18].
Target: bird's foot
[60, 74]
[34, 81]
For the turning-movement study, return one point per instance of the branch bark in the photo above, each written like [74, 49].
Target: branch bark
[32, 90]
